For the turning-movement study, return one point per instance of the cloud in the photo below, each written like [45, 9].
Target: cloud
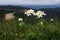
[29, 2]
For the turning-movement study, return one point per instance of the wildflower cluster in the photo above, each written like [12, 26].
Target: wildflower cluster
[32, 12]
[20, 19]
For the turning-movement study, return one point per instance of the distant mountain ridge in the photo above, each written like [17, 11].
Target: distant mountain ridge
[40, 6]
[30, 6]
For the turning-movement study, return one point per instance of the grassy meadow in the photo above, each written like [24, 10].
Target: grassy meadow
[41, 30]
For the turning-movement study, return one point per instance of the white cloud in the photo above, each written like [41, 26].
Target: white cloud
[29, 2]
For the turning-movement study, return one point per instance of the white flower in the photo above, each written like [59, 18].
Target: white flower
[20, 19]
[52, 19]
[40, 14]
[29, 12]
[34, 14]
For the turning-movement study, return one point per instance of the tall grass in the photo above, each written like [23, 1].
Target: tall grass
[11, 30]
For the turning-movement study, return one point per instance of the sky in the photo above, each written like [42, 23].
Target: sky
[29, 2]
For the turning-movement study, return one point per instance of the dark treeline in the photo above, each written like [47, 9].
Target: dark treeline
[9, 9]
[51, 12]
